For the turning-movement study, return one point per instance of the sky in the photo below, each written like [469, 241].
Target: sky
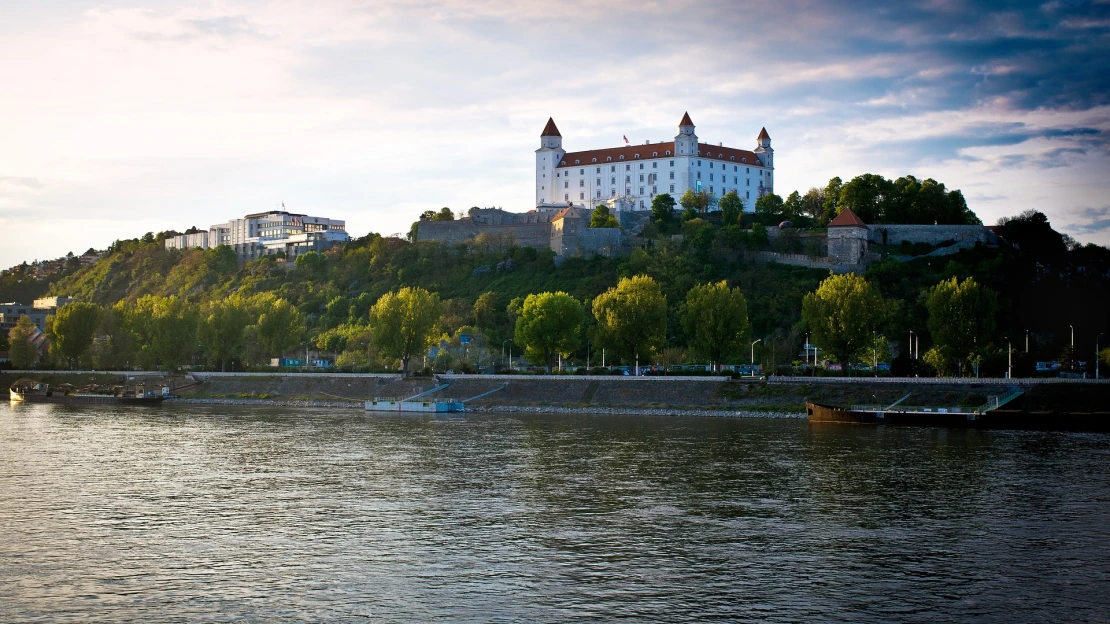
[123, 118]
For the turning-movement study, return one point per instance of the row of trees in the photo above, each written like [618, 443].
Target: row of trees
[846, 312]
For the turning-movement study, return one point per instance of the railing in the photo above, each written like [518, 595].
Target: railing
[1026, 381]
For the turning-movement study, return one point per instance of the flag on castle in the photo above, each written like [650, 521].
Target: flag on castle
[625, 139]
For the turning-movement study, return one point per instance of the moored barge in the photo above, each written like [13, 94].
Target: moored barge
[32, 391]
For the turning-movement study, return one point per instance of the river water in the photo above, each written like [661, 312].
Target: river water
[189, 513]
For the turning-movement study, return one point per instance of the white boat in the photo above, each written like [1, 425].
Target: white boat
[385, 405]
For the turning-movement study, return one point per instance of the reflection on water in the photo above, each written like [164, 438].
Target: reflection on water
[186, 513]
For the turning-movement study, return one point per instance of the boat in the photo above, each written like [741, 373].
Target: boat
[992, 415]
[33, 391]
[438, 406]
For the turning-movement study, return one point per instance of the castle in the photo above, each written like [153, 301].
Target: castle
[629, 177]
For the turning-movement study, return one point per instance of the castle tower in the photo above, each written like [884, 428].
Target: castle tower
[847, 238]
[547, 158]
[763, 149]
[686, 143]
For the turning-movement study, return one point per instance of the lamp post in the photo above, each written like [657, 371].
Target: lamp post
[1027, 342]
[753, 356]
[503, 342]
[1072, 336]
[1096, 354]
[1009, 360]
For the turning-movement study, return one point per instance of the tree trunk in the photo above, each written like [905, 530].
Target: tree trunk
[405, 366]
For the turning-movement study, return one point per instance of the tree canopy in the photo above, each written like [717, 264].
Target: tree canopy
[21, 352]
[74, 328]
[405, 323]
[632, 317]
[843, 313]
[716, 320]
[601, 218]
[549, 325]
[961, 322]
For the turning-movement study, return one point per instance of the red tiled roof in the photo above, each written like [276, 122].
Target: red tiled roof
[847, 218]
[685, 120]
[705, 150]
[763, 135]
[569, 212]
[550, 129]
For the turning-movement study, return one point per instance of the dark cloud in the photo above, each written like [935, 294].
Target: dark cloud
[1095, 220]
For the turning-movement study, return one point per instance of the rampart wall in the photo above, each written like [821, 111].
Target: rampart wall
[964, 235]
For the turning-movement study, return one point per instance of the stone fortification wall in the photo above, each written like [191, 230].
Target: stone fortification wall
[814, 262]
[530, 229]
[964, 235]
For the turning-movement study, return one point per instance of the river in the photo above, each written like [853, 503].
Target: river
[188, 513]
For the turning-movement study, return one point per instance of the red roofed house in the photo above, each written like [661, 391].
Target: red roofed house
[848, 236]
[631, 176]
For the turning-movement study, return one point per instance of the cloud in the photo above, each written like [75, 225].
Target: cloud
[1094, 220]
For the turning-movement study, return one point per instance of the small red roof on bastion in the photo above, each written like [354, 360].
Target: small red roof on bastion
[847, 217]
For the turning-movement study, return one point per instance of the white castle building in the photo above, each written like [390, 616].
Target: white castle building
[629, 177]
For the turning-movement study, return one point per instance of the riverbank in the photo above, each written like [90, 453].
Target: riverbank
[710, 396]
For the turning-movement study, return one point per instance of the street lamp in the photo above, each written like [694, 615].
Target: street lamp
[1072, 336]
[911, 344]
[1009, 360]
[753, 356]
[1027, 342]
[1096, 354]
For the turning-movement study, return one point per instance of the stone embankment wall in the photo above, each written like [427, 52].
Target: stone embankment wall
[814, 262]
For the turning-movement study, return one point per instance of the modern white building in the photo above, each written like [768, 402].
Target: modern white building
[630, 177]
[267, 233]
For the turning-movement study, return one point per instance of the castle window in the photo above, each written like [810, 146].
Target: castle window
[566, 196]
[566, 184]
[711, 177]
[734, 180]
[576, 162]
[668, 154]
[622, 156]
[595, 160]
[747, 169]
[654, 165]
[672, 162]
[641, 204]
[581, 171]
[748, 194]
[557, 174]
[699, 163]
[653, 190]
[711, 190]
[599, 182]
[641, 177]
[654, 154]
[609, 159]
[734, 167]
[613, 168]
[581, 183]
[628, 167]
[732, 158]
[641, 190]
[672, 188]
[641, 166]
[744, 159]
[749, 182]
[699, 175]
[563, 163]
[627, 179]
[710, 165]
[672, 175]
[599, 193]
[598, 169]
[581, 196]
[613, 181]
[720, 155]
[635, 155]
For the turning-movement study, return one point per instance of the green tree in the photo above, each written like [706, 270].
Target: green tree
[21, 352]
[769, 209]
[813, 203]
[74, 329]
[731, 208]
[490, 317]
[693, 200]
[280, 325]
[601, 218]
[716, 321]
[405, 323]
[549, 325]
[632, 317]
[166, 328]
[445, 214]
[870, 196]
[831, 199]
[794, 207]
[842, 314]
[662, 208]
[313, 265]
[961, 321]
[221, 329]
[115, 347]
